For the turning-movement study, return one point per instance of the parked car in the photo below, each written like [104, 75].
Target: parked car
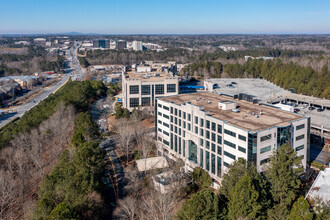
[320, 109]
[296, 110]
[233, 83]
[311, 108]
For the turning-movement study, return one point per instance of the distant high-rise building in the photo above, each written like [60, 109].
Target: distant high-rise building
[101, 43]
[137, 45]
[121, 45]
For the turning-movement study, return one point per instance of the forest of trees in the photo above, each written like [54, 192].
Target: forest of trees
[29, 60]
[33, 145]
[304, 80]
[75, 188]
[79, 94]
[247, 194]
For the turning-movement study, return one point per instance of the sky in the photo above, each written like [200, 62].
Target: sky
[165, 16]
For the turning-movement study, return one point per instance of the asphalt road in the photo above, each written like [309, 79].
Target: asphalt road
[20, 111]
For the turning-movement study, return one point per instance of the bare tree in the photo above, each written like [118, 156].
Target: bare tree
[127, 208]
[125, 133]
[157, 205]
[7, 193]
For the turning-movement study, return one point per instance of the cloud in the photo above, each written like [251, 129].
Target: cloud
[318, 12]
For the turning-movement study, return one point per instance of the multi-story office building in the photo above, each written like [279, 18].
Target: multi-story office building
[142, 84]
[121, 45]
[212, 131]
[137, 45]
[101, 43]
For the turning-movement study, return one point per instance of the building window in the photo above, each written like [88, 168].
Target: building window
[189, 127]
[160, 130]
[300, 137]
[219, 139]
[213, 163]
[166, 125]
[145, 89]
[184, 115]
[219, 129]
[230, 133]
[300, 127]
[176, 120]
[300, 148]
[171, 88]
[159, 113]
[208, 124]
[228, 143]
[180, 122]
[219, 150]
[207, 143]
[207, 134]
[265, 149]
[184, 124]
[159, 106]
[166, 142]
[201, 158]
[196, 129]
[146, 101]
[213, 126]
[171, 110]
[213, 137]
[207, 161]
[202, 122]
[265, 138]
[133, 102]
[242, 149]
[180, 113]
[159, 122]
[184, 147]
[219, 167]
[133, 89]
[229, 155]
[166, 108]
[159, 89]
[201, 132]
[192, 152]
[201, 141]
[226, 164]
[264, 161]
[241, 137]
[196, 120]
[213, 147]
[166, 133]
[166, 116]
[171, 118]
[189, 117]
[176, 112]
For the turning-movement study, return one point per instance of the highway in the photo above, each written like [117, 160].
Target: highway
[20, 110]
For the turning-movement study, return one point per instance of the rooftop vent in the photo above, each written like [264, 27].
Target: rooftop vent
[227, 105]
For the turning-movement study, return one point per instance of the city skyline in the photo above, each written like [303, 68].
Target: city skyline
[170, 17]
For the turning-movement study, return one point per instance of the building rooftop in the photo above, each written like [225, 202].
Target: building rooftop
[321, 186]
[251, 117]
[151, 163]
[158, 72]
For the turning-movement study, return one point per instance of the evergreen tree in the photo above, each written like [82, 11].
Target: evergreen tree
[278, 212]
[283, 174]
[300, 210]
[202, 205]
[244, 200]
[201, 178]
